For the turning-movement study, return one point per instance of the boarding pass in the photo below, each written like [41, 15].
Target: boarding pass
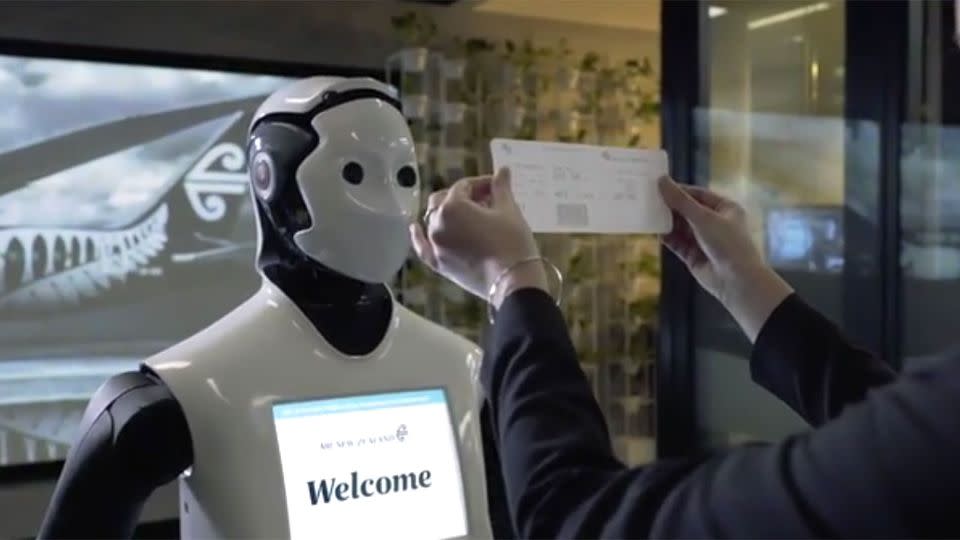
[579, 188]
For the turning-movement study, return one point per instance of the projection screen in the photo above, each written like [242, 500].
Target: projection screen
[125, 226]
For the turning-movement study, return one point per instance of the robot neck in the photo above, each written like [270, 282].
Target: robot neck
[351, 315]
[315, 285]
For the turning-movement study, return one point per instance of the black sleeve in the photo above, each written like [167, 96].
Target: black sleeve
[804, 360]
[883, 468]
[500, 522]
[133, 438]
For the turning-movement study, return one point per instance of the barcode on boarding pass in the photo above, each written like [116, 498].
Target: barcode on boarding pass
[572, 215]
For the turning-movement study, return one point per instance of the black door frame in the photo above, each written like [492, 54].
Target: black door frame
[680, 95]
[875, 94]
[876, 45]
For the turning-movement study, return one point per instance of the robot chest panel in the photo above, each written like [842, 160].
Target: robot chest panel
[314, 429]
[301, 369]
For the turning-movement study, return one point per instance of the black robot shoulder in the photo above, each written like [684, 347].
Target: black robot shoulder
[133, 434]
[132, 439]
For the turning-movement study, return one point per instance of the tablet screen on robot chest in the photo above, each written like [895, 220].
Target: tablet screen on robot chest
[371, 466]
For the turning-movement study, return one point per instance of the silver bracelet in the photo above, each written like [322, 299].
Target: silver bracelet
[491, 294]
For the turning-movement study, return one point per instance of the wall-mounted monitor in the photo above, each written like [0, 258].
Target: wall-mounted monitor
[808, 238]
[125, 226]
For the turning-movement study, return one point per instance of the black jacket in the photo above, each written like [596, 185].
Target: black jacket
[883, 461]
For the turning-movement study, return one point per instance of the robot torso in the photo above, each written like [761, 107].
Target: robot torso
[293, 439]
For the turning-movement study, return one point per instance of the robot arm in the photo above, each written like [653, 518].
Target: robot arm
[133, 439]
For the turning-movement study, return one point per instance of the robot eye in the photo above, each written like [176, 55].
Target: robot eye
[353, 172]
[407, 176]
[262, 173]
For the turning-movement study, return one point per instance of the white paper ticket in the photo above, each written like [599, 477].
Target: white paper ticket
[578, 188]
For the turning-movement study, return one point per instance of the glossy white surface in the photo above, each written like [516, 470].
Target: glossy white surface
[303, 95]
[359, 230]
[228, 377]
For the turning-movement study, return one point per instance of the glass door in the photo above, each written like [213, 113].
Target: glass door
[793, 108]
[770, 134]
[930, 172]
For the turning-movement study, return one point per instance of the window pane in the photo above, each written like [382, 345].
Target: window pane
[771, 134]
[930, 173]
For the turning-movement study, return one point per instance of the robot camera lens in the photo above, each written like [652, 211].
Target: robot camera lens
[407, 177]
[353, 172]
[262, 173]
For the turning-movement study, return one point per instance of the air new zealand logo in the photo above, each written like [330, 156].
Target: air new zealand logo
[397, 436]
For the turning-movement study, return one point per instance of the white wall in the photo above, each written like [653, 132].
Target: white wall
[344, 33]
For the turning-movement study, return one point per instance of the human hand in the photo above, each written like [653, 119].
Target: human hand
[474, 232]
[710, 236]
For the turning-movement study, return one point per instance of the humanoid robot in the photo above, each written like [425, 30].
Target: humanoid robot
[320, 406]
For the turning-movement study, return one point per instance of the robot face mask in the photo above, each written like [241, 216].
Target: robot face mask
[358, 184]
[361, 189]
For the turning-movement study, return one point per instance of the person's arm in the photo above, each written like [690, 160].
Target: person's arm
[884, 468]
[804, 360]
[497, 509]
[800, 357]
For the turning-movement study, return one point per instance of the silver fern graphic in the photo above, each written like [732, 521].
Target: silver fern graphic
[48, 265]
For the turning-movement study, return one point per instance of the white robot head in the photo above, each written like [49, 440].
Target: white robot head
[334, 173]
